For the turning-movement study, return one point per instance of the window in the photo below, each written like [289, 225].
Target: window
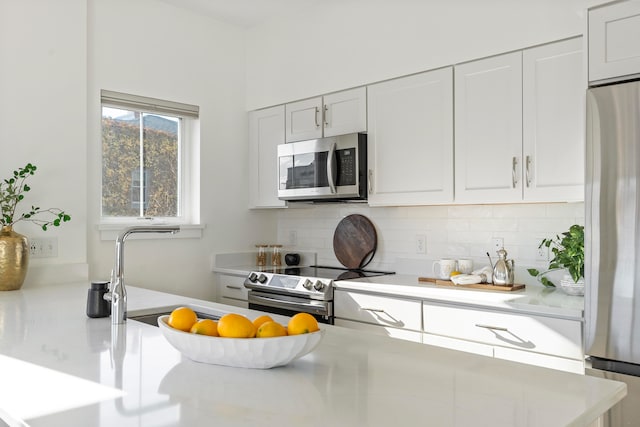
[146, 169]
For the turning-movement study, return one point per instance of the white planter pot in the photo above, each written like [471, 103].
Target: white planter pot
[570, 287]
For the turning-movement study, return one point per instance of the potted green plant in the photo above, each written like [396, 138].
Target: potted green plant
[568, 254]
[14, 247]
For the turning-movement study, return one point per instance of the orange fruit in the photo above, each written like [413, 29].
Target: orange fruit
[182, 318]
[262, 319]
[271, 329]
[233, 325]
[205, 327]
[302, 323]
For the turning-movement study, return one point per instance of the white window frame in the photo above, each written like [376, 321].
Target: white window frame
[188, 179]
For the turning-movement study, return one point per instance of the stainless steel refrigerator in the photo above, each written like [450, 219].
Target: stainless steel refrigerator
[612, 242]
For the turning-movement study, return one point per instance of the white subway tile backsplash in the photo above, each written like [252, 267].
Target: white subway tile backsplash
[451, 231]
[470, 211]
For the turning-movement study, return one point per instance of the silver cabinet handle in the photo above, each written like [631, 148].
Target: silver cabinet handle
[237, 288]
[375, 310]
[497, 328]
[325, 114]
[370, 181]
[514, 172]
[316, 117]
[528, 170]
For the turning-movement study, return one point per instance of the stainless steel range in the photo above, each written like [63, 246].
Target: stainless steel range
[290, 290]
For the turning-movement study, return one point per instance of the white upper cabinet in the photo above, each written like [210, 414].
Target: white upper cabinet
[519, 126]
[488, 129]
[410, 140]
[553, 111]
[337, 113]
[345, 112]
[304, 119]
[614, 41]
[266, 131]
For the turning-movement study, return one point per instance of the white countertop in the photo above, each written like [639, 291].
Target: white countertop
[61, 368]
[531, 300]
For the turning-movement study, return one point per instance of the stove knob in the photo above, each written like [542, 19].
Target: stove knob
[262, 278]
[307, 284]
[318, 286]
[253, 277]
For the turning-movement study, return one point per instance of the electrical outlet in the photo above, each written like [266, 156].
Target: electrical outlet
[44, 247]
[497, 243]
[421, 244]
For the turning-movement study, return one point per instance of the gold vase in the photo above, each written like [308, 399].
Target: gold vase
[14, 259]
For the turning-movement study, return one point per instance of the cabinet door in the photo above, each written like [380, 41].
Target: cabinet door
[304, 120]
[345, 112]
[266, 131]
[231, 290]
[402, 334]
[614, 32]
[553, 110]
[410, 140]
[488, 128]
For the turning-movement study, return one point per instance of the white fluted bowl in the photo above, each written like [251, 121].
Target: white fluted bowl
[259, 353]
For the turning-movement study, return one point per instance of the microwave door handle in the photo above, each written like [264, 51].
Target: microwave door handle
[331, 168]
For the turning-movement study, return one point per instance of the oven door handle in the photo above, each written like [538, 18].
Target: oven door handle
[331, 168]
[321, 310]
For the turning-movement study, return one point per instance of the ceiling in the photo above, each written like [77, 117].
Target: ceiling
[243, 13]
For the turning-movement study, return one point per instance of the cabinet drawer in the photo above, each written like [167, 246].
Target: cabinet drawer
[537, 334]
[232, 287]
[457, 344]
[378, 310]
[386, 331]
[552, 362]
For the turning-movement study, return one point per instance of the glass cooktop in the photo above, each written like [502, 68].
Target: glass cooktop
[326, 272]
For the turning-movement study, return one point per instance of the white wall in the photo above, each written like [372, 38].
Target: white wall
[334, 45]
[150, 48]
[43, 121]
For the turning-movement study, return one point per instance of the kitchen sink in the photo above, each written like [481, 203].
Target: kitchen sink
[150, 315]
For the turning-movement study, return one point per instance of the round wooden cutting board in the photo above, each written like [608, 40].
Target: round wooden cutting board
[355, 241]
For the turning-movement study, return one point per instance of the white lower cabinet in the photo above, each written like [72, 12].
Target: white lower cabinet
[545, 341]
[538, 340]
[391, 316]
[231, 290]
[402, 334]
[458, 344]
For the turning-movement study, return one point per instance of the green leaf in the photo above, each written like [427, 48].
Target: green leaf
[546, 282]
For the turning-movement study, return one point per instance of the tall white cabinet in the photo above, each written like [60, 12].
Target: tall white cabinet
[266, 131]
[553, 122]
[333, 114]
[410, 140]
[488, 126]
[519, 126]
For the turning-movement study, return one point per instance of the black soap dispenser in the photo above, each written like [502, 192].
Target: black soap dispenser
[97, 306]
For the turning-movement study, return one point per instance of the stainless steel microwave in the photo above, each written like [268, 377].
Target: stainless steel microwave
[325, 169]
